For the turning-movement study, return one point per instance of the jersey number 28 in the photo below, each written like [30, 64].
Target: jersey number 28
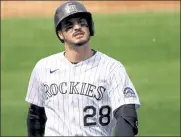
[102, 115]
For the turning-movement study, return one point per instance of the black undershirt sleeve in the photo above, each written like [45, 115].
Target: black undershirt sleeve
[127, 120]
[36, 120]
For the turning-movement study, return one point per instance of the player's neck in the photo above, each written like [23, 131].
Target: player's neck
[77, 54]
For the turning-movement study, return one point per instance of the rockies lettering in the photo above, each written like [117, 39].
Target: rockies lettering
[86, 89]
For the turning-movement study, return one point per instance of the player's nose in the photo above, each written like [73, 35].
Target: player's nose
[77, 25]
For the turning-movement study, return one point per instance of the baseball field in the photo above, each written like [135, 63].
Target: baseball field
[146, 42]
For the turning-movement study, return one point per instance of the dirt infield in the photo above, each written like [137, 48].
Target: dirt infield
[47, 8]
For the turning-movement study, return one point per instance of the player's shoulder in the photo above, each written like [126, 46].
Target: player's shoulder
[111, 64]
[110, 61]
[49, 59]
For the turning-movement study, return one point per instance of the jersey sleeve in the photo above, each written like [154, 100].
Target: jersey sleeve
[35, 94]
[121, 89]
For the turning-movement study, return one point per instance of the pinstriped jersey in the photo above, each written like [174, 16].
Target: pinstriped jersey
[79, 99]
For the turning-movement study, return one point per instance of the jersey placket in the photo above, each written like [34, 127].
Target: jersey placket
[71, 98]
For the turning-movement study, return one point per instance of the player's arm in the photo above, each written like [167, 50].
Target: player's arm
[126, 117]
[36, 120]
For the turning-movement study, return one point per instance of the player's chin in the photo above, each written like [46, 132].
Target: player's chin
[80, 42]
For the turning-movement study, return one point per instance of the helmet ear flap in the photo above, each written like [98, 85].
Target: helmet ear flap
[91, 27]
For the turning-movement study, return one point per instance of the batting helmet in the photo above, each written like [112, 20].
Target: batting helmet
[72, 8]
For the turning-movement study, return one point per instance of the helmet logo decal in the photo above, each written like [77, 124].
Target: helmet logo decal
[70, 8]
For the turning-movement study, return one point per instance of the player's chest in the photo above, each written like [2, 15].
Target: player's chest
[79, 82]
[75, 75]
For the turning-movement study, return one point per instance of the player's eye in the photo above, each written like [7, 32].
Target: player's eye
[68, 27]
[83, 22]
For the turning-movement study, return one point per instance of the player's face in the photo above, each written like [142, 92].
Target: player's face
[75, 31]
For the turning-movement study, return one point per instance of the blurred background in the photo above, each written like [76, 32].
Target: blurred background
[143, 35]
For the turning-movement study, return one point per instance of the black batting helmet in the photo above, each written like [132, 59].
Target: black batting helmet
[72, 8]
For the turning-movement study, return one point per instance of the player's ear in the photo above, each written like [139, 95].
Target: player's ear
[60, 34]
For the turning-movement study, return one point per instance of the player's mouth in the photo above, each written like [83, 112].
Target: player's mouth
[78, 34]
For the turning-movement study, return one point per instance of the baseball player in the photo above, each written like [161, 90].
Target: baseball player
[80, 91]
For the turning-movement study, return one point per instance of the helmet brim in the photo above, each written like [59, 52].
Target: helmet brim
[86, 15]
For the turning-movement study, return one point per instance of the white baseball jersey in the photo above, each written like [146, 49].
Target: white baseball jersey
[79, 99]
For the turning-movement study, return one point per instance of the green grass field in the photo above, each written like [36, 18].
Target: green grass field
[148, 44]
